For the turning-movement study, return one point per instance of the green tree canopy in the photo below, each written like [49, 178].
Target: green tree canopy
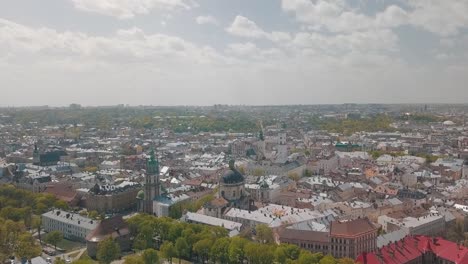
[264, 234]
[27, 247]
[168, 251]
[202, 249]
[134, 259]
[150, 256]
[54, 237]
[108, 250]
[328, 260]
[182, 248]
[220, 250]
[237, 250]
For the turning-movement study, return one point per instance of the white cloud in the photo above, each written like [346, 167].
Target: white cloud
[244, 27]
[279, 37]
[18, 42]
[393, 16]
[338, 16]
[443, 18]
[440, 17]
[373, 41]
[359, 65]
[125, 9]
[202, 20]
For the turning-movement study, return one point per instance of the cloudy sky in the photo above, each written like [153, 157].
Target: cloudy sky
[203, 52]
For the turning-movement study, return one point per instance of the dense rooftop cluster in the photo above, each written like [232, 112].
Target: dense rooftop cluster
[319, 177]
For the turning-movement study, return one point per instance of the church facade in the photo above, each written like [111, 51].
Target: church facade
[232, 194]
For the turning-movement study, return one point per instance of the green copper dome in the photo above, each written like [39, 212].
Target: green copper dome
[264, 185]
[141, 195]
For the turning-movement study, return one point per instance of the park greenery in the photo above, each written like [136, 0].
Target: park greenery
[108, 250]
[206, 244]
[421, 118]
[20, 211]
[350, 126]
[178, 120]
[54, 237]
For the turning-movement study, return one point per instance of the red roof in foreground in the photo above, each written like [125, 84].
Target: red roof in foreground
[413, 247]
[110, 227]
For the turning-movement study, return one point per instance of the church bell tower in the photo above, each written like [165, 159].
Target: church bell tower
[36, 156]
[152, 185]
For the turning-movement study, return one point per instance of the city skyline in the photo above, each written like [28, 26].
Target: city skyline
[205, 52]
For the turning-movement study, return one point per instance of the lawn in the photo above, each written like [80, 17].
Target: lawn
[68, 245]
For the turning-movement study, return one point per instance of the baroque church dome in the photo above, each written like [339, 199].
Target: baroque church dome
[232, 176]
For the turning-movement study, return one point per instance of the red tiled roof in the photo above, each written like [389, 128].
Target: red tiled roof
[400, 252]
[413, 247]
[366, 258]
[450, 251]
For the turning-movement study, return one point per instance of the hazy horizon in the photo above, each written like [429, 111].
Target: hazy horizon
[232, 105]
[206, 52]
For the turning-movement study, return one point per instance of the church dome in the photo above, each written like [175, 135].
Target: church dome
[141, 195]
[232, 176]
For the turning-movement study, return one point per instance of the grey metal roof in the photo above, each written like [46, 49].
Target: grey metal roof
[72, 219]
[391, 237]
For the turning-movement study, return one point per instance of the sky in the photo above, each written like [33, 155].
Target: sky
[243, 52]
